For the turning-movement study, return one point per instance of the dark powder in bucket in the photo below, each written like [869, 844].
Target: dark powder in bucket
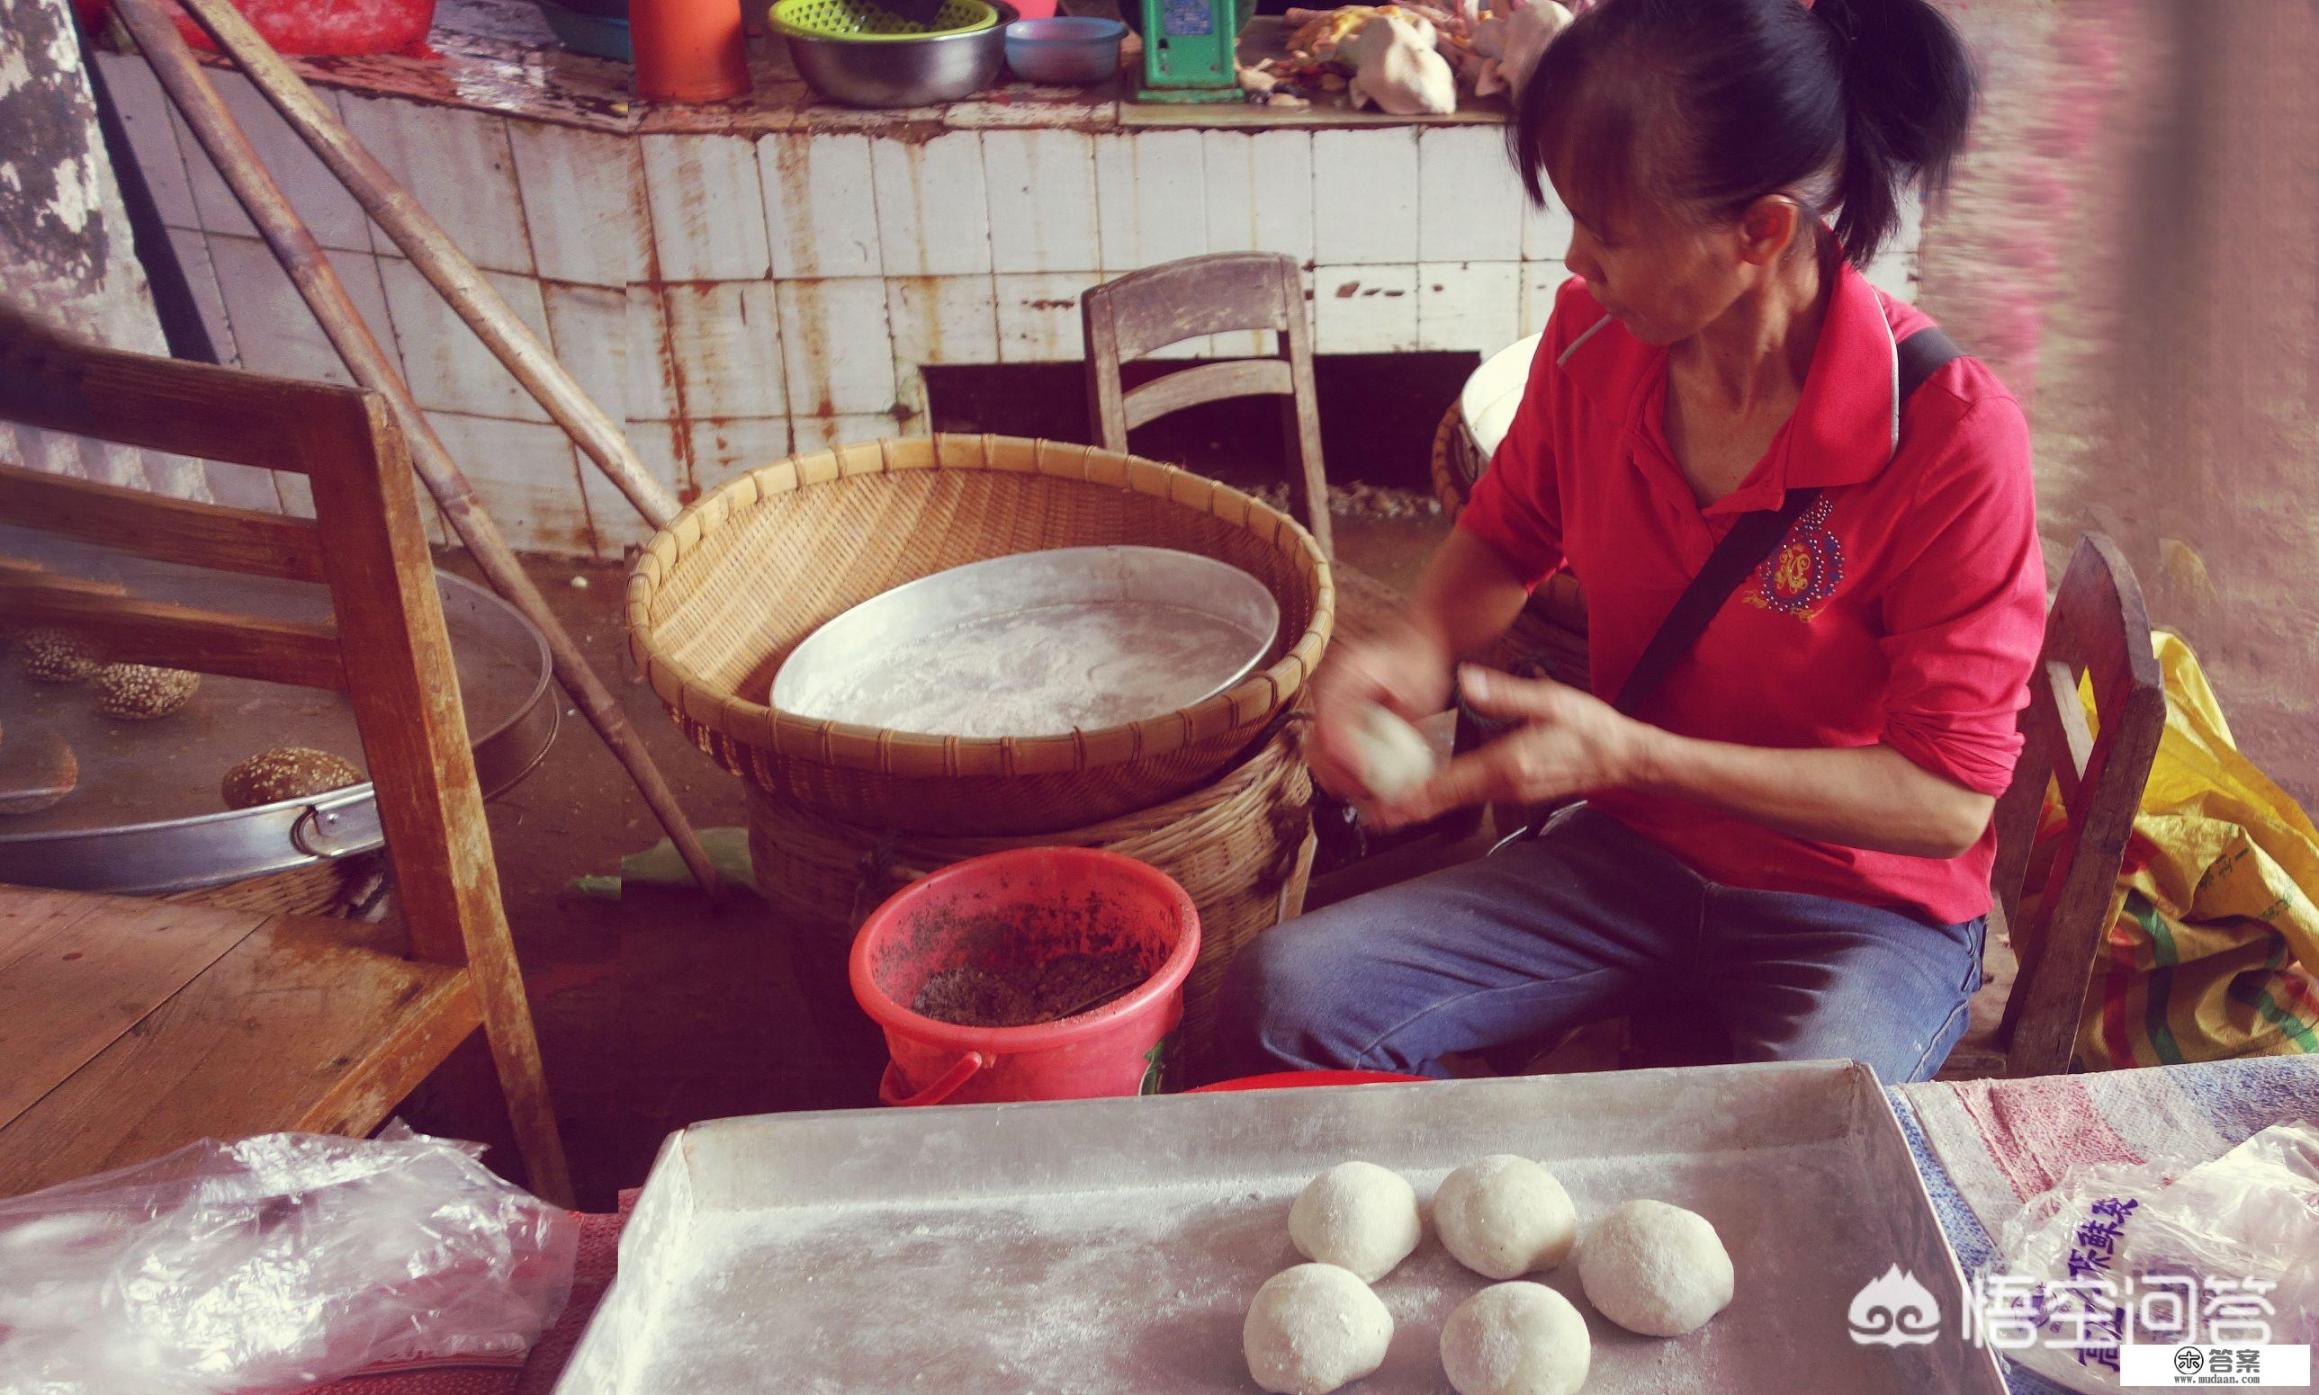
[1033, 993]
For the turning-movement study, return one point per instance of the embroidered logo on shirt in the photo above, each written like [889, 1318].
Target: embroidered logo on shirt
[1803, 571]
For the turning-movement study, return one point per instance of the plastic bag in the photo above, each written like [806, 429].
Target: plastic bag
[2225, 1251]
[273, 1264]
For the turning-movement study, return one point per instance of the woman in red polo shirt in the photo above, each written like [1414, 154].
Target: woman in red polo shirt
[1790, 838]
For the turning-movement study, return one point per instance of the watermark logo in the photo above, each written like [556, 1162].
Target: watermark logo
[1894, 1310]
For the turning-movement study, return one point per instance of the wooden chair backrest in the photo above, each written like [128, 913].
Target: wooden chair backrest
[387, 651]
[1222, 293]
[2098, 626]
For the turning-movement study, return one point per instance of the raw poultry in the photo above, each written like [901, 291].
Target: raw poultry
[1409, 58]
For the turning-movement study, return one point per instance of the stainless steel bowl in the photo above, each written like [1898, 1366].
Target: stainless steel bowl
[902, 72]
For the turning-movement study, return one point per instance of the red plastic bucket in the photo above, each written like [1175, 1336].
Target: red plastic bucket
[1009, 910]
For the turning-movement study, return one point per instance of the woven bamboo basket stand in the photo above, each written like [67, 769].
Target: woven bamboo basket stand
[722, 595]
[333, 888]
[1241, 848]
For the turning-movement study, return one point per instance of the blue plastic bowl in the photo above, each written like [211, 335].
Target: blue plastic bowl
[1066, 50]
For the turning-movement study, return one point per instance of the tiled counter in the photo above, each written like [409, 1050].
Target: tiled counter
[744, 280]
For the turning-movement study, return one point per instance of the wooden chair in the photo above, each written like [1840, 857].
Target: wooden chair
[2099, 627]
[1219, 294]
[132, 1027]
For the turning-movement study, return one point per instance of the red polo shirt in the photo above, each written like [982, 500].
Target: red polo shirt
[1905, 608]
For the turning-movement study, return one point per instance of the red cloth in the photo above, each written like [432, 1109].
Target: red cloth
[1905, 608]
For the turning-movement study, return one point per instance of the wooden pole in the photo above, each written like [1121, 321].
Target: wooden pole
[438, 258]
[294, 246]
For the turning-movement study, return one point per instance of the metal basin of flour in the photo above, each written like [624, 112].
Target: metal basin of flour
[1036, 644]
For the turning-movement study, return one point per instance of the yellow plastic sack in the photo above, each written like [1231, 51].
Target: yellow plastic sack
[2214, 931]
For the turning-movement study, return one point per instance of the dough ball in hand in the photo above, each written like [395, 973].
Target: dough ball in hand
[1504, 1216]
[1392, 756]
[1516, 1339]
[1655, 1269]
[1313, 1328]
[1357, 1216]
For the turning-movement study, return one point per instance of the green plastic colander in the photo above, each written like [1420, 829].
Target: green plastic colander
[863, 19]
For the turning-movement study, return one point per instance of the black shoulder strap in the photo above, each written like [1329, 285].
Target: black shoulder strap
[1751, 540]
[1923, 354]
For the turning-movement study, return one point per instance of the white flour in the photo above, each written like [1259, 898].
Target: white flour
[1144, 1289]
[1039, 672]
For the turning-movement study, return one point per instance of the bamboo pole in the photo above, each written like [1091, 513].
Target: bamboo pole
[310, 270]
[438, 258]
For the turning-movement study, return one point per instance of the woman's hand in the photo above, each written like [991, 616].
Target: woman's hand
[1570, 742]
[1405, 670]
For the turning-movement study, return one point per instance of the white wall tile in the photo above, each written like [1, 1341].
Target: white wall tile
[1365, 195]
[834, 342]
[821, 433]
[708, 212]
[584, 201]
[659, 448]
[933, 205]
[1470, 204]
[723, 449]
[448, 368]
[651, 358]
[943, 319]
[819, 205]
[144, 112]
[242, 486]
[1545, 231]
[273, 330]
[1365, 309]
[527, 477]
[1038, 317]
[457, 163]
[192, 249]
[588, 329]
[1259, 191]
[1042, 200]
[725, 339]
[1151, 198]
[1473, 306]
[329, 212]
[1541, 282]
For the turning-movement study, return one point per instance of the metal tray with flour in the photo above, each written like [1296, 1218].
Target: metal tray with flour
[1112, 1245]
[1036, 644]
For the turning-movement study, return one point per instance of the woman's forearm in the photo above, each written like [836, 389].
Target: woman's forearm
[1862, 797]
[1468, 596]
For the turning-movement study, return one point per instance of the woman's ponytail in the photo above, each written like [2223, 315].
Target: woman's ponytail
[1908, 97]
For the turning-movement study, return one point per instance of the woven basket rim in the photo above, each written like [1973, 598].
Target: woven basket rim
[760, 724]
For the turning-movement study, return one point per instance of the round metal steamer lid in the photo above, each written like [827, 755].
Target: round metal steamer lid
[147, 816]
[1015, 646]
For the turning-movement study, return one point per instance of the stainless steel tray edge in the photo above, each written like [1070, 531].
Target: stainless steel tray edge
[613, 1355]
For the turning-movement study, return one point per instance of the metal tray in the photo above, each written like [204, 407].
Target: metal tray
[147, 816]
[1112, 1245]
[1036, 644]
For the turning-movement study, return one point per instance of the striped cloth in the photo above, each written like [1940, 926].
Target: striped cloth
[1986, 1146]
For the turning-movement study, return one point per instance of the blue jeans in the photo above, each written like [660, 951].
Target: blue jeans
[1584, 922]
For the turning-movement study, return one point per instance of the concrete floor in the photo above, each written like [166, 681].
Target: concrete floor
[660, 1010]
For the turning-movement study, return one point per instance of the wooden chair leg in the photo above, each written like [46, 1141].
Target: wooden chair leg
[1308, 485]
[507, 1026]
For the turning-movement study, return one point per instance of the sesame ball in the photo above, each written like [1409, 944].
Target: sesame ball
[53, 656]
[141, 692]
[286, 772]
